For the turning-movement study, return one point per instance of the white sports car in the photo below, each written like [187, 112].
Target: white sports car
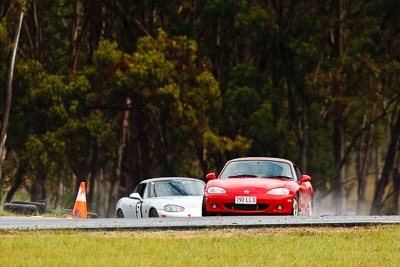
[163, 197]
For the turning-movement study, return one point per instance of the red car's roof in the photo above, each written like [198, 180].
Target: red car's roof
[261, 158]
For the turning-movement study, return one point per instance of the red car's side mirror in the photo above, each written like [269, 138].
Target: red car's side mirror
[305, 178]
[211, 176]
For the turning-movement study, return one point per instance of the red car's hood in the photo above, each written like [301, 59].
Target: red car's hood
[234, 184]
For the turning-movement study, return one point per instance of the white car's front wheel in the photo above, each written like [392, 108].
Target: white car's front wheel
[153, 213]
[120, 214]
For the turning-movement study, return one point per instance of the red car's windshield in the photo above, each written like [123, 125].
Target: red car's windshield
[257, 168]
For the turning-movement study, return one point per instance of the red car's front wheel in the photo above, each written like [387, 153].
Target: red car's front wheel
[203, 209]
[310, 207]
[295, 206]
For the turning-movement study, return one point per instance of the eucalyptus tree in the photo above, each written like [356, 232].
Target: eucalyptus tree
[356, 91]
[173, 98]
[386, 40]
[4, 52]
[10, 76]
[20, 10]
[318, 77]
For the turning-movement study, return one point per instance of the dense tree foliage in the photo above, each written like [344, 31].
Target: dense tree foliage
[114, 92]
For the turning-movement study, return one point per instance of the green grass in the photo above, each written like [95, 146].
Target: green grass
[358, 246]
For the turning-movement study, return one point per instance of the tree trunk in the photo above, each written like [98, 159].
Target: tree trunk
[60, 190]
[37, 43]
[81, 171]
[38, 192]
[7, 107]
[4, 7]
[396, 191]
[376, 207]
[304, 140]
[17, 183]
[94, 167]
[97, 181]
[339, 200]
[100, 209]
[165, 147]
[115, 183]
[204, 163]
[76, 33]
[363, 160]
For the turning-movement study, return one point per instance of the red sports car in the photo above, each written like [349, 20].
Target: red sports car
[258, 186]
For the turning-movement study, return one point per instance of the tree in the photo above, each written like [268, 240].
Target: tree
[376, 206]
[6, 114]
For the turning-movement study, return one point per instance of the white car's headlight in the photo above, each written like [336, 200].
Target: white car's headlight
[173, 208]
[216, 190]
[279, 191]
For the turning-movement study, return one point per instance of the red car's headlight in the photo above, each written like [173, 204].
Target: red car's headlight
[279, 191]
[216, 190]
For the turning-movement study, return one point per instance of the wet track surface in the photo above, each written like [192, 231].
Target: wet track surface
[50, 223]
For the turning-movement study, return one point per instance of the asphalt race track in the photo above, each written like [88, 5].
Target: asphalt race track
[51, 223]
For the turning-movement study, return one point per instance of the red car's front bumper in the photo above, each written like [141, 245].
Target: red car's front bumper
[267, 204]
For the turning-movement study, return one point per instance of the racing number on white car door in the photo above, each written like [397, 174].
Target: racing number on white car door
[139, 210]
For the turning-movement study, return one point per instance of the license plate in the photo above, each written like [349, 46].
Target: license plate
[245, 200]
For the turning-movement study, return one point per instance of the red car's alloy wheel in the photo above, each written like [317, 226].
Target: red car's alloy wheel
[295, 207]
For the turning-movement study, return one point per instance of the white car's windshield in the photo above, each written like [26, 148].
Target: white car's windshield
[257, 168]
[177, 188]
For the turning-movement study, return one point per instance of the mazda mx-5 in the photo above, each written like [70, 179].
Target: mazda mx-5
[257, 186]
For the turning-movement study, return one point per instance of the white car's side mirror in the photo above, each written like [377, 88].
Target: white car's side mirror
[135, 196]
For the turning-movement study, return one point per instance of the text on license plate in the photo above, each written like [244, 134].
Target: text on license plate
[245, 200]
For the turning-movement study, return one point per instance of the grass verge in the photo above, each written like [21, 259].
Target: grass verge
[357, 246]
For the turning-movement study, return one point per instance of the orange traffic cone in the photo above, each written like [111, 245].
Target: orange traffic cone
[80, 208]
